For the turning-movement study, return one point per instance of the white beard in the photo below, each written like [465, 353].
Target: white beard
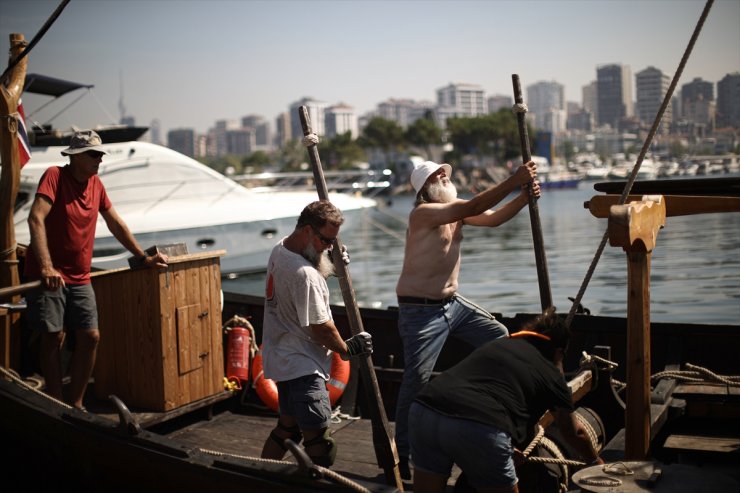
[320, 261]
[438, 192]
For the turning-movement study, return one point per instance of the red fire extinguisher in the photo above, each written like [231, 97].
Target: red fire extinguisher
[239, 350]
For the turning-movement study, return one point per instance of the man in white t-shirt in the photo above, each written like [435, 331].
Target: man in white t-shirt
[299, 335]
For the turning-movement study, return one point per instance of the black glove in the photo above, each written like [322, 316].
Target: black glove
[361, 343]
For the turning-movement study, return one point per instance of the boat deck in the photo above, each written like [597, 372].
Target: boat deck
[225, 425]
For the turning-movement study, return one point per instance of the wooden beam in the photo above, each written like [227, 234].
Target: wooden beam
[635, 228]
[676, 205]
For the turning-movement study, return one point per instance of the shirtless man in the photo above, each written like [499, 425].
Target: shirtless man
[429, 307]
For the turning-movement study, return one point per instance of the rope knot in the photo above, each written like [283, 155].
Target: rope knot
[519, 108]
[310, 140]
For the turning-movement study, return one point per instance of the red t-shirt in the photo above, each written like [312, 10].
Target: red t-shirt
[70, 224]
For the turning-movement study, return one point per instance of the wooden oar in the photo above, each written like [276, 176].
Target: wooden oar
[534, 211]
[18, 289]
[385, 447]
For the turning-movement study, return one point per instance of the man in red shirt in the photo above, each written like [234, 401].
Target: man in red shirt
[62, 224]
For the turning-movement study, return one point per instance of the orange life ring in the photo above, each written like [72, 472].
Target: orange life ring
[267, 388]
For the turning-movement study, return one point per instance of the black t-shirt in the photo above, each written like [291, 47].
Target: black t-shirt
[506, 383]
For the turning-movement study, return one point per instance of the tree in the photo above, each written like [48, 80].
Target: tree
[495, 135]
[424, 133]
[382, 134]
[340, 152]
[257, 161]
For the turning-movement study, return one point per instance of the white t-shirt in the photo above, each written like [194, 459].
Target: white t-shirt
[296, 296]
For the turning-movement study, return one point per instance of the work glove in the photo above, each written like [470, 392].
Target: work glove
[361, 343]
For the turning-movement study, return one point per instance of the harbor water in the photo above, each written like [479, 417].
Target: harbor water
[695, 268]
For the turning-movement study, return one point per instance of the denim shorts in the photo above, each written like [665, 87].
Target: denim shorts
[307, 400]
[71, 306]
[483, 452]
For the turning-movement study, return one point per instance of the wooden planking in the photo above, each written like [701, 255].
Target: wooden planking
[701, 443]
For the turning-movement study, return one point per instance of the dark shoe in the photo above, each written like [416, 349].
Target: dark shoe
[403, 468]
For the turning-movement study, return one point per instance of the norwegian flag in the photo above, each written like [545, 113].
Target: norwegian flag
[24, 150]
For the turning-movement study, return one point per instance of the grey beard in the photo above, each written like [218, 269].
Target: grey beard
[441, 193]
[320, 261]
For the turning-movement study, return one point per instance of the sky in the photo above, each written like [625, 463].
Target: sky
[189, 63]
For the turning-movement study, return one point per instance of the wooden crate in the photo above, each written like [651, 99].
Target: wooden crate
[160, 333]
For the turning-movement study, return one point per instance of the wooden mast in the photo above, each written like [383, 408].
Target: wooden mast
[9, 183]
[385, 447]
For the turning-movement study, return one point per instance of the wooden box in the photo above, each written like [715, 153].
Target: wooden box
[161, 345]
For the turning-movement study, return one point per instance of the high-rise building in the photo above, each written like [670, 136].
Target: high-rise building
[261, 129]
[456, 100]
[652, 86]
[282, 129]
[498, 101]
[182, 140]
[546, 105]
[316, 111]
[155, 132]
[590, 95]
[728, 101]
[614, 86]
[403, 111]
[341, 118]
[697, 89]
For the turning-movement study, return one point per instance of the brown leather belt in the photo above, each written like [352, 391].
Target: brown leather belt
[413, 300]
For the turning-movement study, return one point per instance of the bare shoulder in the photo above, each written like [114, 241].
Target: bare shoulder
[432, 215]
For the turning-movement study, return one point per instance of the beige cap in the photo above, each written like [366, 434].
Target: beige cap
[83, 141]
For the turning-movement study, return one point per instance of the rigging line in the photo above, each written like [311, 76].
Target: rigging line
[35, 40]
[112, 119]
[62, 110]
[643, 151]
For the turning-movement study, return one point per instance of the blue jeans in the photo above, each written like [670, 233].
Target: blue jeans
[483, 452]
[424, 330]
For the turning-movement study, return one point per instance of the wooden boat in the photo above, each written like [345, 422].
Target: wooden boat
[188, 433]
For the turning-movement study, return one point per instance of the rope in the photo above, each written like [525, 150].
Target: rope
[337, 416]
[643, 151]
[8, 251]
[386, 229]
[323, 470]
[536, 440]
[310, 140]
[13, 376]
[697, 374]
[238, 321]
[519, 108]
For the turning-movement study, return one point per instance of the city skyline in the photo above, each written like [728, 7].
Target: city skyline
[190, 63]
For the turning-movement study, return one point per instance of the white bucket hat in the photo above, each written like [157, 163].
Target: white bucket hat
[422, 172]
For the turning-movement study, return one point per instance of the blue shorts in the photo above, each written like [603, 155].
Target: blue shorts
[483, 452]
[71, 306]
[307, 400]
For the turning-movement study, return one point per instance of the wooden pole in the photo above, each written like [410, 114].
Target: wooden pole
[10, 176]
[635, 228]
[385, 447]
[534, 212]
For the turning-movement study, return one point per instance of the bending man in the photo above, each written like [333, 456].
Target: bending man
[475, 413]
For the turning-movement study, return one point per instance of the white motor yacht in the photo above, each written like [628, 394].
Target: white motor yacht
[166, 197]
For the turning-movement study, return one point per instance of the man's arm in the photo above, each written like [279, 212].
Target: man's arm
[40, 208]
[123, 235]
[328, 336]
[435, 214]
[576, 435]
[501, 215]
